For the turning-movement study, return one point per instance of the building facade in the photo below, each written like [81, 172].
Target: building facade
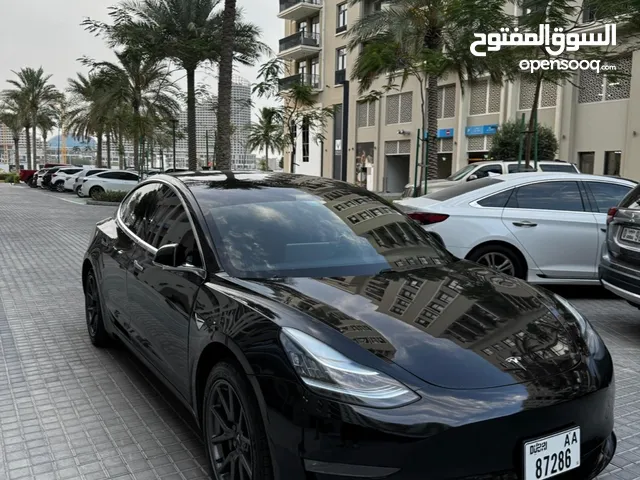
[596, 121]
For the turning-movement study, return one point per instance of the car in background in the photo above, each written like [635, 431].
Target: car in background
[110, 180]
[543, 227]
[74, 183]
[287, 310]
[36, 181]
[475, 171]
[620, 261]
[59, 178]
[46, 178]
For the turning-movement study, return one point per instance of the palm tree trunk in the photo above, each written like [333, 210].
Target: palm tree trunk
[161, 159]
[191, 119]
[151, 154]
[120, 150]
[109, 150]
[532, 126]
[44, 147]
[34, 133]
[16, 151]
[28, 139]
[432, 127]
[99, 150]
[225, 84]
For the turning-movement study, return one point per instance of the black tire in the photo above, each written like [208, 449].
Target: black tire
[77, 191]
[93, 312]
[33, 182]
[59, 187]
[243, 441]
[483, 254]
[95, 191]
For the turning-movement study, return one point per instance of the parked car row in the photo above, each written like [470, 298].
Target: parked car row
[85, 182]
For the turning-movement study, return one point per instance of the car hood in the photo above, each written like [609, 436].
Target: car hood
[459, 326]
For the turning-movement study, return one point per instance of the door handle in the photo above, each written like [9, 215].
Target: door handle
[137, 266]
[525, 223]
[603, 230]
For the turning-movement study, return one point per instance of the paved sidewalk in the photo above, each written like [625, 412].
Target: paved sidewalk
[71, 411]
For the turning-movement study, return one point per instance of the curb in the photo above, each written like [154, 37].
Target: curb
[104, 204]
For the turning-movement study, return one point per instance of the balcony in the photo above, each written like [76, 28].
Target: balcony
[300, 79]
[341, 76]
[299, 9]
[299, 45]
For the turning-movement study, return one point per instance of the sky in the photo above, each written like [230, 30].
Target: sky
[47, 33]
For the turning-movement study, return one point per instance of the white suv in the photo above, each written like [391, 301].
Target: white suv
[111, 180]
[58, 179]
[477, 170]
[73, 183]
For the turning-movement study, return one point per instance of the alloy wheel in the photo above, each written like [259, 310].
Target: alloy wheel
[92, 306]
[60, 187]
[499, 262]
[229, 437]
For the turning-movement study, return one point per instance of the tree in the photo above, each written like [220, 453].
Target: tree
[11, 116]
[142, 84]
[297, 110]
[506, 142]
[281, 163]
[266, 134]
[188, 32]
[225, 85]
[425, 40]
[46, 123]
[33, 90]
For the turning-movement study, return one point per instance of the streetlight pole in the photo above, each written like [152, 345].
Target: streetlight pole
[174, 121]
[206, 137]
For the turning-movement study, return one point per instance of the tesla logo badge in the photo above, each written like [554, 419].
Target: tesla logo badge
[515, 361]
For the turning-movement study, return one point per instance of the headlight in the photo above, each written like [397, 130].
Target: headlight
[329, 373]
[589, 335]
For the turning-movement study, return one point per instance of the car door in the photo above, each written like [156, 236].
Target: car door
[602, 196]
[126, 181]
[484, 171]
[162, 300]
[552, 224]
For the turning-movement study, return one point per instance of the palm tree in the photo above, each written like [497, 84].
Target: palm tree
[225, 85]
[144, 85]
[266, 134]
[33, 88]
[46, 123]
[189, 32]
[11, 116]
[426, 40]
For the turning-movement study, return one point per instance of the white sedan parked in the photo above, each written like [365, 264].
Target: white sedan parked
[542, 227]
[110, 180]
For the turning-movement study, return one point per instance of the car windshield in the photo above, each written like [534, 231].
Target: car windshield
[460, 174]
[286, 232]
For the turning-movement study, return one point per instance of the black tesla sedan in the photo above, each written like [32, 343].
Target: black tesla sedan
[316, 332]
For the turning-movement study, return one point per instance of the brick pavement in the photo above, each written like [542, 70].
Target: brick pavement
[71, 411]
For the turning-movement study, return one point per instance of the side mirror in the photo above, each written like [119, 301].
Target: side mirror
[472, 177]
[166, 255]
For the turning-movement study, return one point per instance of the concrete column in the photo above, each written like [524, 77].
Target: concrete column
[460, 150]
[630, 167]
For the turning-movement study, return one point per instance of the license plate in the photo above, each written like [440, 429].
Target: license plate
[630, 235]
[553, 455]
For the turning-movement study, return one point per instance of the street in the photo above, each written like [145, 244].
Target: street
[69, 410]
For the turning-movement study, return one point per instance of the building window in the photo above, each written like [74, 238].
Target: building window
[305, 140]
[447, 101]
[605, 87]
[547, 97]
[366, 114]
[341, 58]
[612, 162]
[445, 145]
[586, 161]
[485, 97]
[399, 108]
[481, 143]
[341, 23]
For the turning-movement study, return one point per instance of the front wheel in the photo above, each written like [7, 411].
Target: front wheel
[60, 187]
[500, 258]
[95, 192]
[234, 433]
[93, 312]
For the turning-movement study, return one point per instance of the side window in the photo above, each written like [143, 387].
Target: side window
[499, 200]
[139, 209]
[514, 168]
[170, 224]
[110, 175]
[632, 200]
[484, 171]
[563, 196]
[607, 195]
[129, 176]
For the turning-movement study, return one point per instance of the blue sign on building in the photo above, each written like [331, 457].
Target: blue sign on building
[443, 133]
[481, 130]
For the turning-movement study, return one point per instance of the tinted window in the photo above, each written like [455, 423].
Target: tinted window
[483, 172]
[70, 171]
[108, 175]
[558, 167]
[514, 168]
[549, 196]
[607, 195]
[127, 176]
[499, 200]
[632, 200]
[272, 231]
[91, 172]
[139, 208]
[450, 192]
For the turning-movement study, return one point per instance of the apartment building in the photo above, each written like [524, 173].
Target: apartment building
[596, 121]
